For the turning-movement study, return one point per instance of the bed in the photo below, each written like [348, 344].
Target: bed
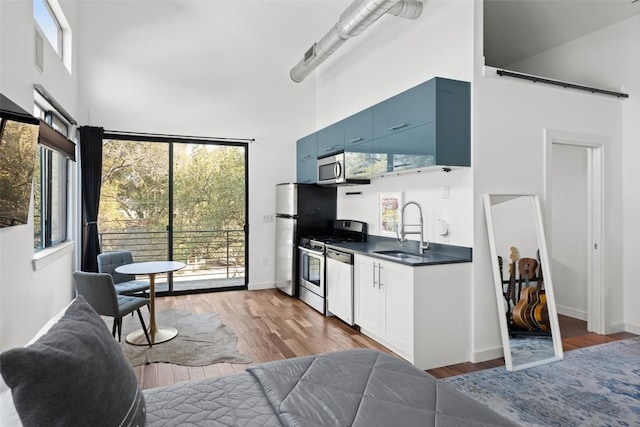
[76, 374]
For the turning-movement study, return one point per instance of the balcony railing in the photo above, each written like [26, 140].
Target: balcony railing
[215, 254]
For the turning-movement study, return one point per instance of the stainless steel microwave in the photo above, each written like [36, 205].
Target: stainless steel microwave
[332, 170]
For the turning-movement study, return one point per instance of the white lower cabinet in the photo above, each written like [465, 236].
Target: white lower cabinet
[420, 313]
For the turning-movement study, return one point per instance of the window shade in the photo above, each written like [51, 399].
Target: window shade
[51, 138]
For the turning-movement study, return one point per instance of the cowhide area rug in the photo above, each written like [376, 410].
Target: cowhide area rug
[202, 340]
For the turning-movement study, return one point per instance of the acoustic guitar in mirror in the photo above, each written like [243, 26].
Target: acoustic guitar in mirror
[524, 289]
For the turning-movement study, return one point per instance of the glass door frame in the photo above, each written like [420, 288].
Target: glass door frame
[170, 139]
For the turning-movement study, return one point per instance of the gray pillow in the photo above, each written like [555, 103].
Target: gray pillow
[74, 375]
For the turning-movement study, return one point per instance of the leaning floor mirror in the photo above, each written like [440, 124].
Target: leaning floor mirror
[524, 290]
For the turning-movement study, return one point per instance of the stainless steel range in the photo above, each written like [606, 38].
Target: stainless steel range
[313, 274]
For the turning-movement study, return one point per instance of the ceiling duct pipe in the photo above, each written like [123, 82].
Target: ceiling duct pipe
[354, 20]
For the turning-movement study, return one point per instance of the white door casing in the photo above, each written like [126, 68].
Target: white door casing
[594, 144]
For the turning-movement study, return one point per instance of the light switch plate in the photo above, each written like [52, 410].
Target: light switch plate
[445, 192]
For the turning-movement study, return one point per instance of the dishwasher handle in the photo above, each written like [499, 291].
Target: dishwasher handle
[343, 257]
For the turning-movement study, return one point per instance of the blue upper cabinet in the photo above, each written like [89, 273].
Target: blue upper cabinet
[331, 139]
[427, 125]
[307, 155]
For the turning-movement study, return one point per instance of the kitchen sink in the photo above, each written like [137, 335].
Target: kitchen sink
[403, 255]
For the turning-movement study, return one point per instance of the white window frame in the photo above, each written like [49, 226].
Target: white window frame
[63, 45]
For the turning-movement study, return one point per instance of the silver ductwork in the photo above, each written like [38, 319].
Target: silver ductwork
[354, 20]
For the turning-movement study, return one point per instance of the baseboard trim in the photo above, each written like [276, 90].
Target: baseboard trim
[615, 328]
[260, 286]
[632, 328]
[572, 312]
[487, 354]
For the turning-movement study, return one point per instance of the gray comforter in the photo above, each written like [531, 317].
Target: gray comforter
[347, 388]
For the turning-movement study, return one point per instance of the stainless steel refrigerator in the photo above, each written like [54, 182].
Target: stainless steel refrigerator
[301, 210]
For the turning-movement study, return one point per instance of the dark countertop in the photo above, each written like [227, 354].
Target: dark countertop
[436, 254]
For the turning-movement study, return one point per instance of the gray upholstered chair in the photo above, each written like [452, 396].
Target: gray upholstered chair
[125, 284]
[98, 290]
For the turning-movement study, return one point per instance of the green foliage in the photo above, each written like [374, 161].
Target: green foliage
[208, 194]
[18, 150]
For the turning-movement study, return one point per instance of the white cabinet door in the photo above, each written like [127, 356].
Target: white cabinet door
[367, 294]
[396, 283]
[420, 313]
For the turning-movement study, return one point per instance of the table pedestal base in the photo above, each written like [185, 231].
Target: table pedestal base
[161, 335]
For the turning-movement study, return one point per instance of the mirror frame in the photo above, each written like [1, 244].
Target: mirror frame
[548, 285]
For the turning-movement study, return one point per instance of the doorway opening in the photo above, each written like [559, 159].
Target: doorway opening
[574, 221]
[179, 199]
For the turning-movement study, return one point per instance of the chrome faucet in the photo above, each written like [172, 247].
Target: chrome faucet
[424, 245]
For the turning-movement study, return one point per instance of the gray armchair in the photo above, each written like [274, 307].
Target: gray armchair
[98, 290]
[125, 284]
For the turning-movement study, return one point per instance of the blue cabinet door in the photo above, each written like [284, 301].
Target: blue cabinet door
[404, 111]
[331, 139]
[358, 145]
[307, 155]
[414, 148]
[306, 171]
[358, 129]
[307, 147]
[453, 124]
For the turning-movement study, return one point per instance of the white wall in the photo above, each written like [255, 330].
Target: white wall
[29, 298]
[389, 57]
[610, 59]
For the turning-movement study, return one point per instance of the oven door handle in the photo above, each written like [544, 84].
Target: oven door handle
[311, 251]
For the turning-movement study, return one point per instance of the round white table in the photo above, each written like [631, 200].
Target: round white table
[151, 268]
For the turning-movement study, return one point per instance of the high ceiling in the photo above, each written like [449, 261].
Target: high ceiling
[517, 29]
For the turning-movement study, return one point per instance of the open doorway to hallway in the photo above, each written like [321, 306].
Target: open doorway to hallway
[574, 223]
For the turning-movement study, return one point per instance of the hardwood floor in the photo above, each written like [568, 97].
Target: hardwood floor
[271, 326]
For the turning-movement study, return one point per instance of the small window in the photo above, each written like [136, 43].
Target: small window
[50, 188]
[48, 24]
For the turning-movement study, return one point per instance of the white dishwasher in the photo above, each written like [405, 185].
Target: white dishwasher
[339, 284]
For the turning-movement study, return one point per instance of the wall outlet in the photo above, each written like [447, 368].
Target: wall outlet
[265, 262]
[267, 218]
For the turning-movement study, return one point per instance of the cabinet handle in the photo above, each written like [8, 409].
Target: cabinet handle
[307, 180]
[380, 276]
[400, 126]
[306, 157]
[329, 149]
[374, 274]
[354, 140]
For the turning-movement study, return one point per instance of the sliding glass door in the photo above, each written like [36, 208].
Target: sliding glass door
[179, 200]
[208, 205]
